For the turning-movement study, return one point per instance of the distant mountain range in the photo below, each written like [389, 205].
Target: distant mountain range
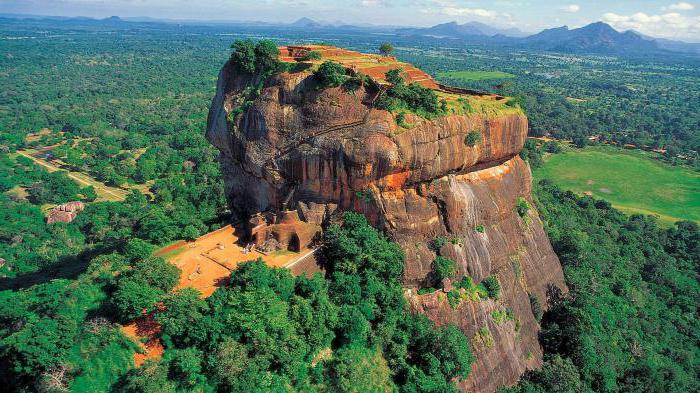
[455, 30]
[595, 38]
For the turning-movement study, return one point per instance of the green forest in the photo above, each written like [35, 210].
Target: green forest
[129, 108]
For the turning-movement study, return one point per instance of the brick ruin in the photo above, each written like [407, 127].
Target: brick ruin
[271, 232]
[65, 212]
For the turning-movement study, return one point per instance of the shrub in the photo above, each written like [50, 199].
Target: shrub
[364, 195]
[414, 97]
[480, 228]
[426, 291]
[443, 268]
[386, 48]
[536, 306]
[311, 55]
[473, 138]
[401, 119]
[454, 297]
[500, 316]
[492, 286]
[330, 74]
[437, 243]
[522, 207]
[483, 337]
[472, 292]
[553, 147]
[395, 76]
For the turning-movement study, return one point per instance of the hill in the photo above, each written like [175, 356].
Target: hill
[455, 30]
[596, 37]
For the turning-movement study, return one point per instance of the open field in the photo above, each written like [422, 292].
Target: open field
[629, 179]
[468, 76]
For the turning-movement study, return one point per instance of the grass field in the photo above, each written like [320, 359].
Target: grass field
[468, 76]
[629, 179]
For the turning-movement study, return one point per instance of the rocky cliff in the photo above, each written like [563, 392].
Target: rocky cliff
[326, 149]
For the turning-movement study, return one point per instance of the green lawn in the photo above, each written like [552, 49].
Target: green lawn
[629, 179]
[475, 75]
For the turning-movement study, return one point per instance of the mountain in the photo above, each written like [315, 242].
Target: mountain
[596, 37]
[455, 30]
[673, 45]
[306, 23]
[428, 207]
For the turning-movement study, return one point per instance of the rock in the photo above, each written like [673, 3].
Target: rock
[329, 150]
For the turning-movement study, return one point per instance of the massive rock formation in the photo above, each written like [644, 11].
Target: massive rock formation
[327, 149]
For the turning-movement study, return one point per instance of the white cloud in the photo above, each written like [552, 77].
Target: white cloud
[669, 25]
[375, 3]
[446, 7]
[571, 8]
[682, 6]
[463, 11]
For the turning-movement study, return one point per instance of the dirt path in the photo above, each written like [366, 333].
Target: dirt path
[107, 193]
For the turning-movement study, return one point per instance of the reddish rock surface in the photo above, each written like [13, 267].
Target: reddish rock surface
[328, 149]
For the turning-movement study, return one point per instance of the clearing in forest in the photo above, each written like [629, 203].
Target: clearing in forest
[631, 180]
[206, 263]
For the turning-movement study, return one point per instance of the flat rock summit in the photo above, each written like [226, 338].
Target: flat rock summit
[319, 151]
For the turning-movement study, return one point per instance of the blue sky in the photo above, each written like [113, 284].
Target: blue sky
[670, 19]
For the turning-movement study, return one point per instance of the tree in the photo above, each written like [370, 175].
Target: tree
[186, 367]
[330, 74]
[155, 272]
[243, 55]
[353, 327]
[88, 193]
[386, 48]
[151, 377]
[266, 56]
[136, 249]
[580, 141]
[559, 375]
[473, 138]
[443, 268]
[493, 287]
[190, 232]
[132, 299]
[395, 76]
[229, 361]
[358, 369]
[181, 317]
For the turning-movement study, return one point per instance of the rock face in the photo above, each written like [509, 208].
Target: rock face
[327, 150]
